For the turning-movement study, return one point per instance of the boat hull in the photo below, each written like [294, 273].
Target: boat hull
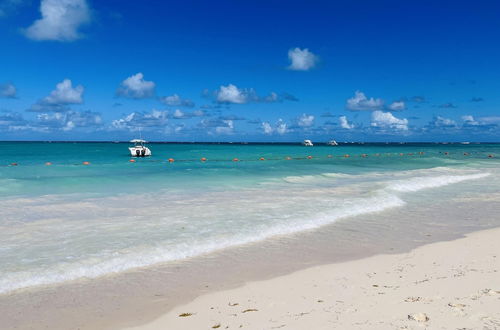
[139, 151]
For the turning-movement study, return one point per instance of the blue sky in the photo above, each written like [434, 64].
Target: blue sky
[259, 71]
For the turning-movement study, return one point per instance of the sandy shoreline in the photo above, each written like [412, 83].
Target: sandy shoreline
[445, 285]
[139, 297]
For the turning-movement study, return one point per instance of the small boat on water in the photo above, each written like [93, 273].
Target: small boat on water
[332, 143]
[139, 149]
[307, 143]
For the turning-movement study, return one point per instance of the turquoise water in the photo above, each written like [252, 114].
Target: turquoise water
[67, 220]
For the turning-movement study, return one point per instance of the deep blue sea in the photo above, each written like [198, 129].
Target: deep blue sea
[68, 220]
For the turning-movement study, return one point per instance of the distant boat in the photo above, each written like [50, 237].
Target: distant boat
[307, 143]
[465, 142]
[139, 149]
[332, 143]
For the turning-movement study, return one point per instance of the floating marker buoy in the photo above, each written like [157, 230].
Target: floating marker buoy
[171, 160]
[288, 158]
[490, 156]
[203, 159]
[364, 155]
[235, 159]
[86, 163]
[466, 154]
[421, 153]
[446, 153]
[401, 154]
[13, 164]
[132, 160]
[262, 158]
[48, 163]
[309, 157]
[346, 156]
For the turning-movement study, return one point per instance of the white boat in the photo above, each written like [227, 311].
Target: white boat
[139, 149]
[332, 143]
[307, 143]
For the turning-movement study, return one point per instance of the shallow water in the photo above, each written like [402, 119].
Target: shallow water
[68, 221]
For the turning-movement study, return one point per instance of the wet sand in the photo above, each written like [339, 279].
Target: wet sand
[139, 297]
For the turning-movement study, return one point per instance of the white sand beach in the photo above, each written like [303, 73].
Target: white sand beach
[444, 285]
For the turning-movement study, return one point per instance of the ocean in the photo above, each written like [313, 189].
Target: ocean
[62, 220]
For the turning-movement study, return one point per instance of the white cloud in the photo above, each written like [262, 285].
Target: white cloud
[344, 123]
[136, 87]
[386, 120]
[155, 119]
[60, 20]
[444, 122]
[8, 90]
[397, 106]
[267, 128]
[305, 120]
[176, 101]
[301, 59]
[65, 93]
[470, 121]
[281, 127]
[359, 102]
[233, 94]
[227, 129]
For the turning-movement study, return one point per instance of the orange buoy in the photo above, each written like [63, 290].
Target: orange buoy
[329, 156]
[346, 156]
[288, 158]
[132, 160]
[309, 157]
[48, 163]
[262, 158]
[235, 159]
[86, 163]
[13, 164]
[203, 159]
[171, 160]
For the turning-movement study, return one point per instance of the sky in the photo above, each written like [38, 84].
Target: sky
[277, 71]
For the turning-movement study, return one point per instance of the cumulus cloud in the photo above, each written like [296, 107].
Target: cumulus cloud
[281, 127]
[344, 123]
[267, 128]
[301, 59]
[8, 90]
[65, 93]
[179, 114]
[176, 101]
[60, 20]
[386, 120]
[305, 120]
[443, 122]
[155, 119]
[217, 126]
[136, 87]
[58, 100]
[396, 106]
[67, 121]
[233, 94]
[359, 102]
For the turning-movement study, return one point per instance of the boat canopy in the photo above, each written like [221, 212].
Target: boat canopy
[137, 141]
